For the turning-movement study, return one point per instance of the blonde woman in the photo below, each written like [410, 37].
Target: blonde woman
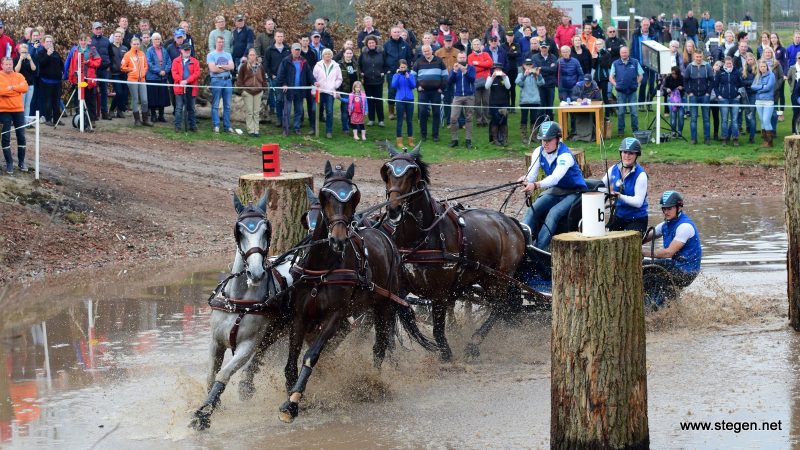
[774, 64]
[764, 90]
[749, 70]
[134, 63]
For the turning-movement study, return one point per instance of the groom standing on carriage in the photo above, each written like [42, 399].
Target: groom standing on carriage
[563, 183]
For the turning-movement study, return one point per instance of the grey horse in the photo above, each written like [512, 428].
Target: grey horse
[241, 319]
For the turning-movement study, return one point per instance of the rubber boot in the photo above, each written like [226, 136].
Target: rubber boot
[764, 139]
[493, 134]
[503, 130]
[399, 143]
[146, 120]
[137, 119]
[8, 159]
[523, 133]
[411, 142]
[770, 136]
[161, 117]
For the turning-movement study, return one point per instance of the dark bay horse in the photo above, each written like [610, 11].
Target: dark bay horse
[446, 251]
[355, 272]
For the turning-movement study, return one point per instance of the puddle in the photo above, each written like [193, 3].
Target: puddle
[120, 363]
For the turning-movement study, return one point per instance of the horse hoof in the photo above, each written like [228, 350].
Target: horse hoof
[288, 411]
[246, 390]
[472, 351]
[446, 356]
[201, 421]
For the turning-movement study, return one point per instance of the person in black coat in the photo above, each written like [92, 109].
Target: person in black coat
[287, 76]
[372, 63]
[51, 68]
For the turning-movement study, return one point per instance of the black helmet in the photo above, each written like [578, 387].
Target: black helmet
[549, 130]
[632, 145]
[670, 199]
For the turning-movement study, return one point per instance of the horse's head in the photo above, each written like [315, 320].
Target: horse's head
[311, 218]
[403, 174]
[338, 199]
[253, 234]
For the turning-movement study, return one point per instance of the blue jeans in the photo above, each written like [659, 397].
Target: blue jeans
[729, 127]
[405, 110]
[326, 107]
[185, 101]
[293, 101]
[344, 114]
[699, 100]
[434, 97]
[546, 212]
[11, 120]
[27, 98]
[676, 119]
[221, 88]
[765, 115]
[623, 98]
[647, 88]
[103, 86]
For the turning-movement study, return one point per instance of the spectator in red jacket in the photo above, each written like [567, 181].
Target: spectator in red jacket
[7, 47]
[565, 32]
[90, 61]
[185, 72]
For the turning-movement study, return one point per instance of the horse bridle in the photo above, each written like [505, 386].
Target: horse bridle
[399, 171]
[343, 196]
[252, 213]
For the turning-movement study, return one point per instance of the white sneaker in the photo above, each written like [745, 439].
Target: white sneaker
[370, 123]
[216, 129]
[381, 124]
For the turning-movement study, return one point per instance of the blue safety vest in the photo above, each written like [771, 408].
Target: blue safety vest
[688, 258]
[573, 179]
[628, 187]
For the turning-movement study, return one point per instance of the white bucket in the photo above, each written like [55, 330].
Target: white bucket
[593, 213]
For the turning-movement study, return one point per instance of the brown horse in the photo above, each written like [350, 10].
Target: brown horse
[447, 250]
[356, 272]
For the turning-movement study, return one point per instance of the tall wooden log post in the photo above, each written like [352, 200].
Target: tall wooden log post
[598, 390]
[287, 203]
[791, 145]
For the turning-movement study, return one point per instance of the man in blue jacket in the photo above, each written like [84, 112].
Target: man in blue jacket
[462, 82]
[698, 80]
[294, 71]
[625, 76]
[243, 39]
[103, 46]
[647, 88]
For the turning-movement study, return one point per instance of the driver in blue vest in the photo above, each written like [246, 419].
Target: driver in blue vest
[627, 182]
[682, 251]
[563, 183]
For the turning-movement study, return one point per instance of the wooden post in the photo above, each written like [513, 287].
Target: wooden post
[287, 203]
[598, 388]
[791, 145]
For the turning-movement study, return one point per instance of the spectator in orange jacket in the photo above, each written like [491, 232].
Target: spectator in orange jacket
[185, 72]
[134, 63]
[12, 113]
[90, 60]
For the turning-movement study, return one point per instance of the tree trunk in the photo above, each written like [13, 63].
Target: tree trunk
[792, 196]
[725, 4]
[598, 374]
[766, 13]
[287, 203]
[605, 6]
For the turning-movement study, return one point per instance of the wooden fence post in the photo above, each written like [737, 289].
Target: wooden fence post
[287, 203]
[791, 145]
[598, 376]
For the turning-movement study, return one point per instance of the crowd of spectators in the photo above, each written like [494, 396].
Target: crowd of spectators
[454, 76]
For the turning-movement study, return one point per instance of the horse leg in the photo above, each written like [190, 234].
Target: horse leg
[296, 336]
[202, 416]
[246, 386]
[439, 317]
[472, 350]
[290, 408]
[384, 319]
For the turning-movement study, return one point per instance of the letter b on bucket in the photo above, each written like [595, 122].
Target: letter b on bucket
[593, 214]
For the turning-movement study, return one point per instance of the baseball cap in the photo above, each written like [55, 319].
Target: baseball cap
[180, 33]
[527, 61]
[463, 30]
[498, 64]
[238, 17]
[509, 33]
[315, 34]
[448, 37]
[296, 46]
[543, 44]
[97, 25]
[587, 77]
[493, 38]
[186, 47]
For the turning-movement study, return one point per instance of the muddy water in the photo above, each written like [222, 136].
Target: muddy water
[121, 363]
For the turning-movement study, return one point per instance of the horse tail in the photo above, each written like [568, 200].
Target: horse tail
[409, 321]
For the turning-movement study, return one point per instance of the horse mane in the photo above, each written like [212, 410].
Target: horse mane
[423, 169]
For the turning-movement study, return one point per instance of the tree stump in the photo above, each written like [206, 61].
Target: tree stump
[598, 375]
[791, 145]
[287, 203]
